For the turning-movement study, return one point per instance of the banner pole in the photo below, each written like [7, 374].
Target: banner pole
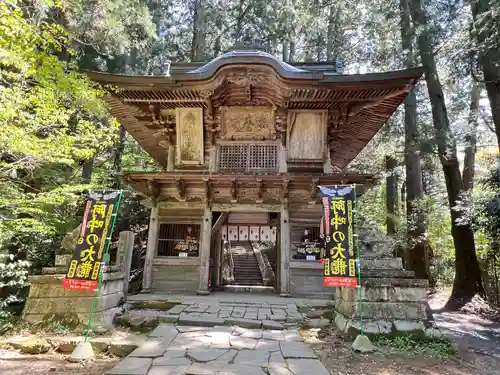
[106, 256]
[360, 289]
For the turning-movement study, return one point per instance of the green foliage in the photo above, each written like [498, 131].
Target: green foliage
[416, 346]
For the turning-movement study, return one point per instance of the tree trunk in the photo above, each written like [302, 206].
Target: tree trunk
[198, 45]
[391, 194]
[471, 137]
[330, 39]
[291, 55]
[467, 274]
[286, 51]
[417, 254]
[87, 167]
[489, 61]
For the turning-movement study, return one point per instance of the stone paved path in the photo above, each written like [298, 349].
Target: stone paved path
[223, 335]
[223, 350]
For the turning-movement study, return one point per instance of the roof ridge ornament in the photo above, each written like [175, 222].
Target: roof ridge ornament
[247, 43]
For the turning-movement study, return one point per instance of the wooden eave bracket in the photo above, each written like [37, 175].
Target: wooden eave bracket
[234, 190]
[181, 188]
[314, 190]
[153, 188]
[259, 190]
[208, 191]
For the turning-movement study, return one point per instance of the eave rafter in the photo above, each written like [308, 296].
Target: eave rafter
[220, 188]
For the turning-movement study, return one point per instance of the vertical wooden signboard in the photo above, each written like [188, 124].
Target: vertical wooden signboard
[337, 236]
[92, 245]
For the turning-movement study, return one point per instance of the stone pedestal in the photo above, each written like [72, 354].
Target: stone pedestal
[393, 300]
[48, 300]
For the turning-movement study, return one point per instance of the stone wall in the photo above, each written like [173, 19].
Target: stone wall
[306, 280]
[47, 298]
[175, 276]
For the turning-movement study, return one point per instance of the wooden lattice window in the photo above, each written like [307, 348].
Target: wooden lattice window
[248, 158]
[178, 240]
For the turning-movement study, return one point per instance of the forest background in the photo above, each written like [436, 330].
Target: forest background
[437, 158]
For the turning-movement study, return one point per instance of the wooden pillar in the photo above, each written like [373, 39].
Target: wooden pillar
[282, 167]
[124, 257]
[205, 241]
[212, 159]
[285, 252]
[327, 167]
[150, 249]
[171, 158]
[218, 258]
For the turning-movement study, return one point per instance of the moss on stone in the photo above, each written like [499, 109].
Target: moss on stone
[155, 305]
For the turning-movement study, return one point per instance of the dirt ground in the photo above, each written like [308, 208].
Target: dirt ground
[341, 360]
[14, 363]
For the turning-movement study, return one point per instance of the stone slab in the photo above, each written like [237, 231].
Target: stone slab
[271, 324]
[205, 355]
[273, 335]
[226, 357]
[244, 323]
[176, 310]
[125, 346]
[154, 347]
[220, 340]
[296, 350]
[131, 366]
[198, 368]
[168, 370]
[165, 330]
[206, 320]
[276, 358]
[278, 370]
[252, 358]
[248, 332]
[241, 343]
[220, 329]
[184, 329]
[291, 335]
[168, 361]
[267, 345]
[241, 370]
[169, 318]
[307, 366]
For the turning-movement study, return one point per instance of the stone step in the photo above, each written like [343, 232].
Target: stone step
[248, 288]
[394, 273]
[382, 263]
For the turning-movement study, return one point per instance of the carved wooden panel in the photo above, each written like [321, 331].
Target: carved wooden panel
[306, 134]
[239, 123]
[189, 136]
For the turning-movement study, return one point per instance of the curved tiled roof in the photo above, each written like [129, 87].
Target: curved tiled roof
[243, 56]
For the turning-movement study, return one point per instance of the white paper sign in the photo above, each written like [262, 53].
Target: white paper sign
[183, 255]
[310, 257]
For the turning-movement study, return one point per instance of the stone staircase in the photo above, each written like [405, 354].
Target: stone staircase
[246, 268]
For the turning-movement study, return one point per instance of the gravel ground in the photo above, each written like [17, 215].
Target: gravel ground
[14, 363]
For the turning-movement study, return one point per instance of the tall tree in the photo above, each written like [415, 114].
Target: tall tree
[483, 11]
[467, 280]
[198, 46]
[417, 256]
[471, 136]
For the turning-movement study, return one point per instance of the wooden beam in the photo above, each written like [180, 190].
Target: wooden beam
[219, 223]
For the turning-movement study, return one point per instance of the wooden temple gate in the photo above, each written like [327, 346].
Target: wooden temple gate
[245, 135]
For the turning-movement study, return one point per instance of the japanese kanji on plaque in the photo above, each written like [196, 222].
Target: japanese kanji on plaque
[337, 236]
[89, 256]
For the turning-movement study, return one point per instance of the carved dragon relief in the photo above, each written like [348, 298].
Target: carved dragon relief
[245, 78]
[164, 123]
[247, 123]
